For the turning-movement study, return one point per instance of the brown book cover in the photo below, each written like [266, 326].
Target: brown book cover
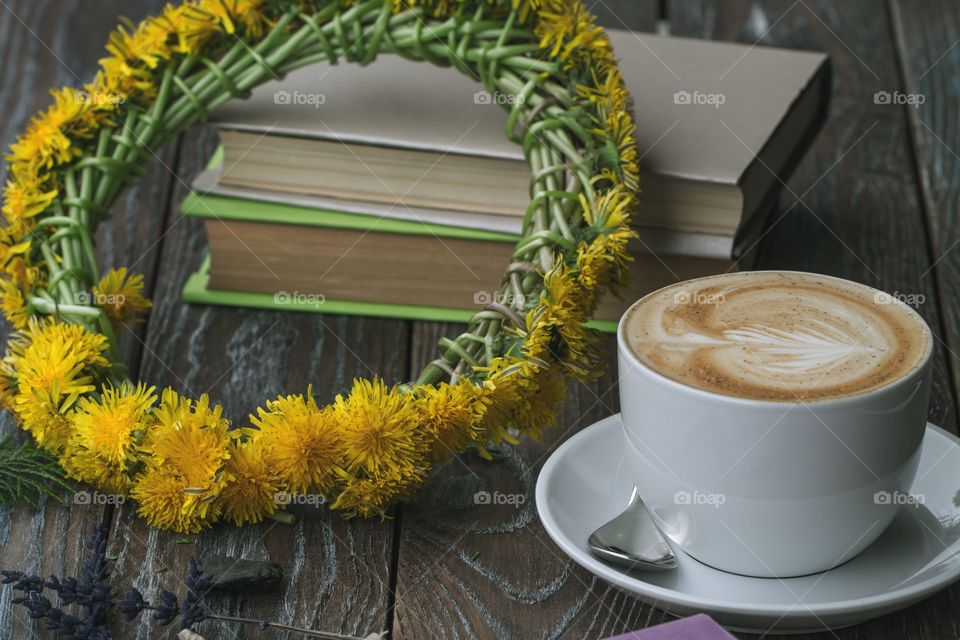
[383, 268]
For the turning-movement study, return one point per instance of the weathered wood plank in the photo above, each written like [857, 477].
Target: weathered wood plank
[928, 38]
[337, 572]
[860, 215]
[40, 53]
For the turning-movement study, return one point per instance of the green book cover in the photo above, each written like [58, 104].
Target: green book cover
[197, 290]
[226, 208]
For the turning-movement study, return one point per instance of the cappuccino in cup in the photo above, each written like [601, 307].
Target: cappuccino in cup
[771, 335]
[767, 414]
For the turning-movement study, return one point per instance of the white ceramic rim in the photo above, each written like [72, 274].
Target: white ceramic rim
[613, 576]
[907, 378]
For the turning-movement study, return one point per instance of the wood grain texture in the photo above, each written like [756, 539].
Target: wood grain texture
[337, 573]
[928, 39]
[860, 215]
[39, 53]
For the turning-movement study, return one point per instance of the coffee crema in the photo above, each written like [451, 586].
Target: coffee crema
[775, 335]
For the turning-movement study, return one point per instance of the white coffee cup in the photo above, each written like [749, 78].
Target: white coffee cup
[772, 488]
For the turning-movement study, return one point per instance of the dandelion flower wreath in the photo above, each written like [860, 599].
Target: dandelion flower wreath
[178, 457]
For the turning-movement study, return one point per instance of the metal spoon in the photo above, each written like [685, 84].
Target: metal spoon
[633, 540]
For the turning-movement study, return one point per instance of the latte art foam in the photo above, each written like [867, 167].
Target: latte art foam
[773, 335]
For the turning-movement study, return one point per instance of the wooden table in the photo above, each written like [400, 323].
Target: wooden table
[876, 200]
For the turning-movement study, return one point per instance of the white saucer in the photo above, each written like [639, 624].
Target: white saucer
[586, 482]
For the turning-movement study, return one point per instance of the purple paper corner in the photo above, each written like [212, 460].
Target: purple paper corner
[698, 627]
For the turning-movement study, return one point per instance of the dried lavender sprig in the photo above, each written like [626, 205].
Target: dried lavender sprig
[92, 594]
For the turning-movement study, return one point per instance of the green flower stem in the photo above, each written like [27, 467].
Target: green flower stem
[275, 59]
[54, 308]
[83, 215]
[54, 269]
[71, 246]
[203, 78]
[118, 368]
[489, 338]
[92, 178]
[551, 161]
[103, 189]
[323, 50]
[182, 112]
[544, 255]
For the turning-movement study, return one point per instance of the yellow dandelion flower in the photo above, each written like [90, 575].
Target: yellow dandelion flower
[105, 94]
[14, 305]
[40, 415]
[561, 301]
[175, 24]
[619, 158]
[138, 44]
[7, 392]
[48, 138]
[539, 408]
[136, 51]
[498, 399]
[434, 8]
[604, 263]
[22, 271]
[102, 447]
[506, 381]
[605, 260]
[15, 257]
[207, 17]
[189, 439]
[23, 201]
[536, 342]
[165, 502]
[252, 487]
[368, 497]
[300, 440]
[607, 92]
[117, 78]
[558, 320]
[379, 431]
[610, 210]
[49, 337]
[450, 414]
[526, 8]
[53, 364]
[120, 294]
[361, 497]
[570, 34]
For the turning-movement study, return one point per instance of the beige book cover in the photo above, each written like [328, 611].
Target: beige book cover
[704, 110]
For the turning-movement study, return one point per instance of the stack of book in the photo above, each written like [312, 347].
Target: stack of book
[392, 190]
